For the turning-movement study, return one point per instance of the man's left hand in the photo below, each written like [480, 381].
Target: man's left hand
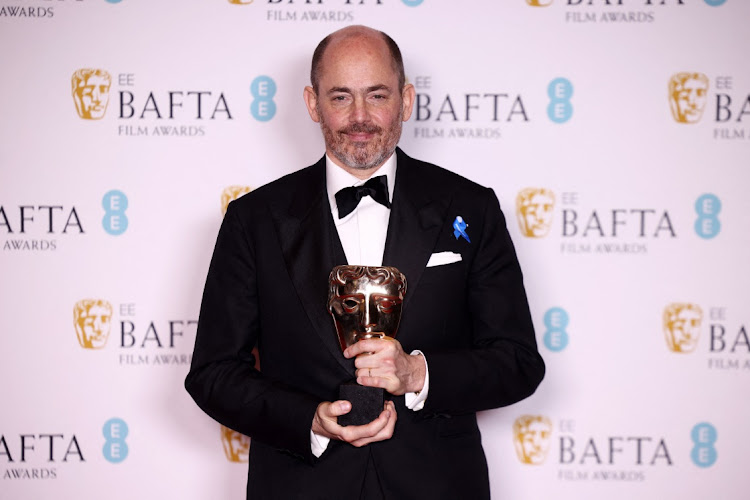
[382, 362]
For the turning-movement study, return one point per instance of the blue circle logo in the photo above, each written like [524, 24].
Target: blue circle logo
[412, 3]
[263, 89]
[556, 321]
[113, 1]
[704, 437]
[560, 90]
[115, 203]
[715, 3]
[708, 225]
[115, 448]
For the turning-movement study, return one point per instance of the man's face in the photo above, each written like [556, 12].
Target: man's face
[358, 103]
[92, 326]
[536, 214]
[92, 96]
[683, 331]
[690, 98]
[364, 307]
[534, 442]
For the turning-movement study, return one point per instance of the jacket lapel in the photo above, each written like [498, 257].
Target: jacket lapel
[416, 218]
[311, 248]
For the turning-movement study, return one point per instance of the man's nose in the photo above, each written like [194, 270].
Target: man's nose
[360, 113]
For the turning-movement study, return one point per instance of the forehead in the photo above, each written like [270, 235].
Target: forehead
[690, 84]
[367, 286]
[537, 426]
[94, 79]
[96, 310]
[539, 199]
[357, 59]
[687, 314]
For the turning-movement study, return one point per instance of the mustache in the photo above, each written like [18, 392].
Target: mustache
[360, 128]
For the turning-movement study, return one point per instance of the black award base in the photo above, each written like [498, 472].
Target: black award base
[367, 403]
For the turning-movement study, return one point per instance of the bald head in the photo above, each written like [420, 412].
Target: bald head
[351, 34]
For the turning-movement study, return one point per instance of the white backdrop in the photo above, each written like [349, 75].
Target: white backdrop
[569, 96]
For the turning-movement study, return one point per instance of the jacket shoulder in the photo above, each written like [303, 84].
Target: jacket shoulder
[439, 179]
[283, 190]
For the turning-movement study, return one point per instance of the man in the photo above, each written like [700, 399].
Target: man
[466, 341]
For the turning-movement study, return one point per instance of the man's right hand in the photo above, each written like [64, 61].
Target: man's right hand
[325, 424]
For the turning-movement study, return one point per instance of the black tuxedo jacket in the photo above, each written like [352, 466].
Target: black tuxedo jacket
[267, 287]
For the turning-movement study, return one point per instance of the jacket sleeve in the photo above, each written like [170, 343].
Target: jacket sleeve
[223, 379]
[499, 364]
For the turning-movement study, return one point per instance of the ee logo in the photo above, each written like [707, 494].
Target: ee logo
[115, 203]
[704, 437]
[556, 321]
[560, 90]
[707, 225]
[115, 448]
[263, 88]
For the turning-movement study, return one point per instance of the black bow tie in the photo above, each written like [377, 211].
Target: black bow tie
[348, 198]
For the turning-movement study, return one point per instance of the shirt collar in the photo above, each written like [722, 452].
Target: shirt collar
[337, 179]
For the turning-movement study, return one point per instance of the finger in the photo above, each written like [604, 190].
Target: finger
[383, 432]
[366, 346]
[338, 408]
[371, 381]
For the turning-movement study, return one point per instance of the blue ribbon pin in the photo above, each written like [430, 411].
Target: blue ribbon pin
[459, 227]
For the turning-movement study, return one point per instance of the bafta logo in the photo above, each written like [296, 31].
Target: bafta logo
[236, 445]
[534, 209]
[91, 92]
[539, 3]
[682, 326]
[92, 320]
[241, 2]
[687, 96]
[531, 437]
[231, 193]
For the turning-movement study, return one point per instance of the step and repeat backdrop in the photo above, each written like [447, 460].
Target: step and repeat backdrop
[616, 134]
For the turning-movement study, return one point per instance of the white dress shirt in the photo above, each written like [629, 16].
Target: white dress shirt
[362, 234]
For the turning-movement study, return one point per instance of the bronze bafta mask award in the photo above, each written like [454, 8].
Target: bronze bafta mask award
[365, 303]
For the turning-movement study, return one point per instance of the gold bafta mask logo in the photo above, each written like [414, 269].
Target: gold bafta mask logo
[532, 436]
[91, 92]
[230, 194]
[688, 93]
[92, 320]
[534, 209]
[236, 445]
[241, 2]
[682, 326]
[539, 3]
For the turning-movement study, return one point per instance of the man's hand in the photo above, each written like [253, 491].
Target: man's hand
[383, 363]
[325, 424]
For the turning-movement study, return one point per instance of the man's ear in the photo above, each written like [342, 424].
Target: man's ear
[311, 101]
[407, 100]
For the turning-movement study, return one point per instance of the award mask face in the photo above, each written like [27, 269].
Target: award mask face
[365, 302]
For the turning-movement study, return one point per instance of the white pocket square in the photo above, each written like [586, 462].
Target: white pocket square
[443, 258]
